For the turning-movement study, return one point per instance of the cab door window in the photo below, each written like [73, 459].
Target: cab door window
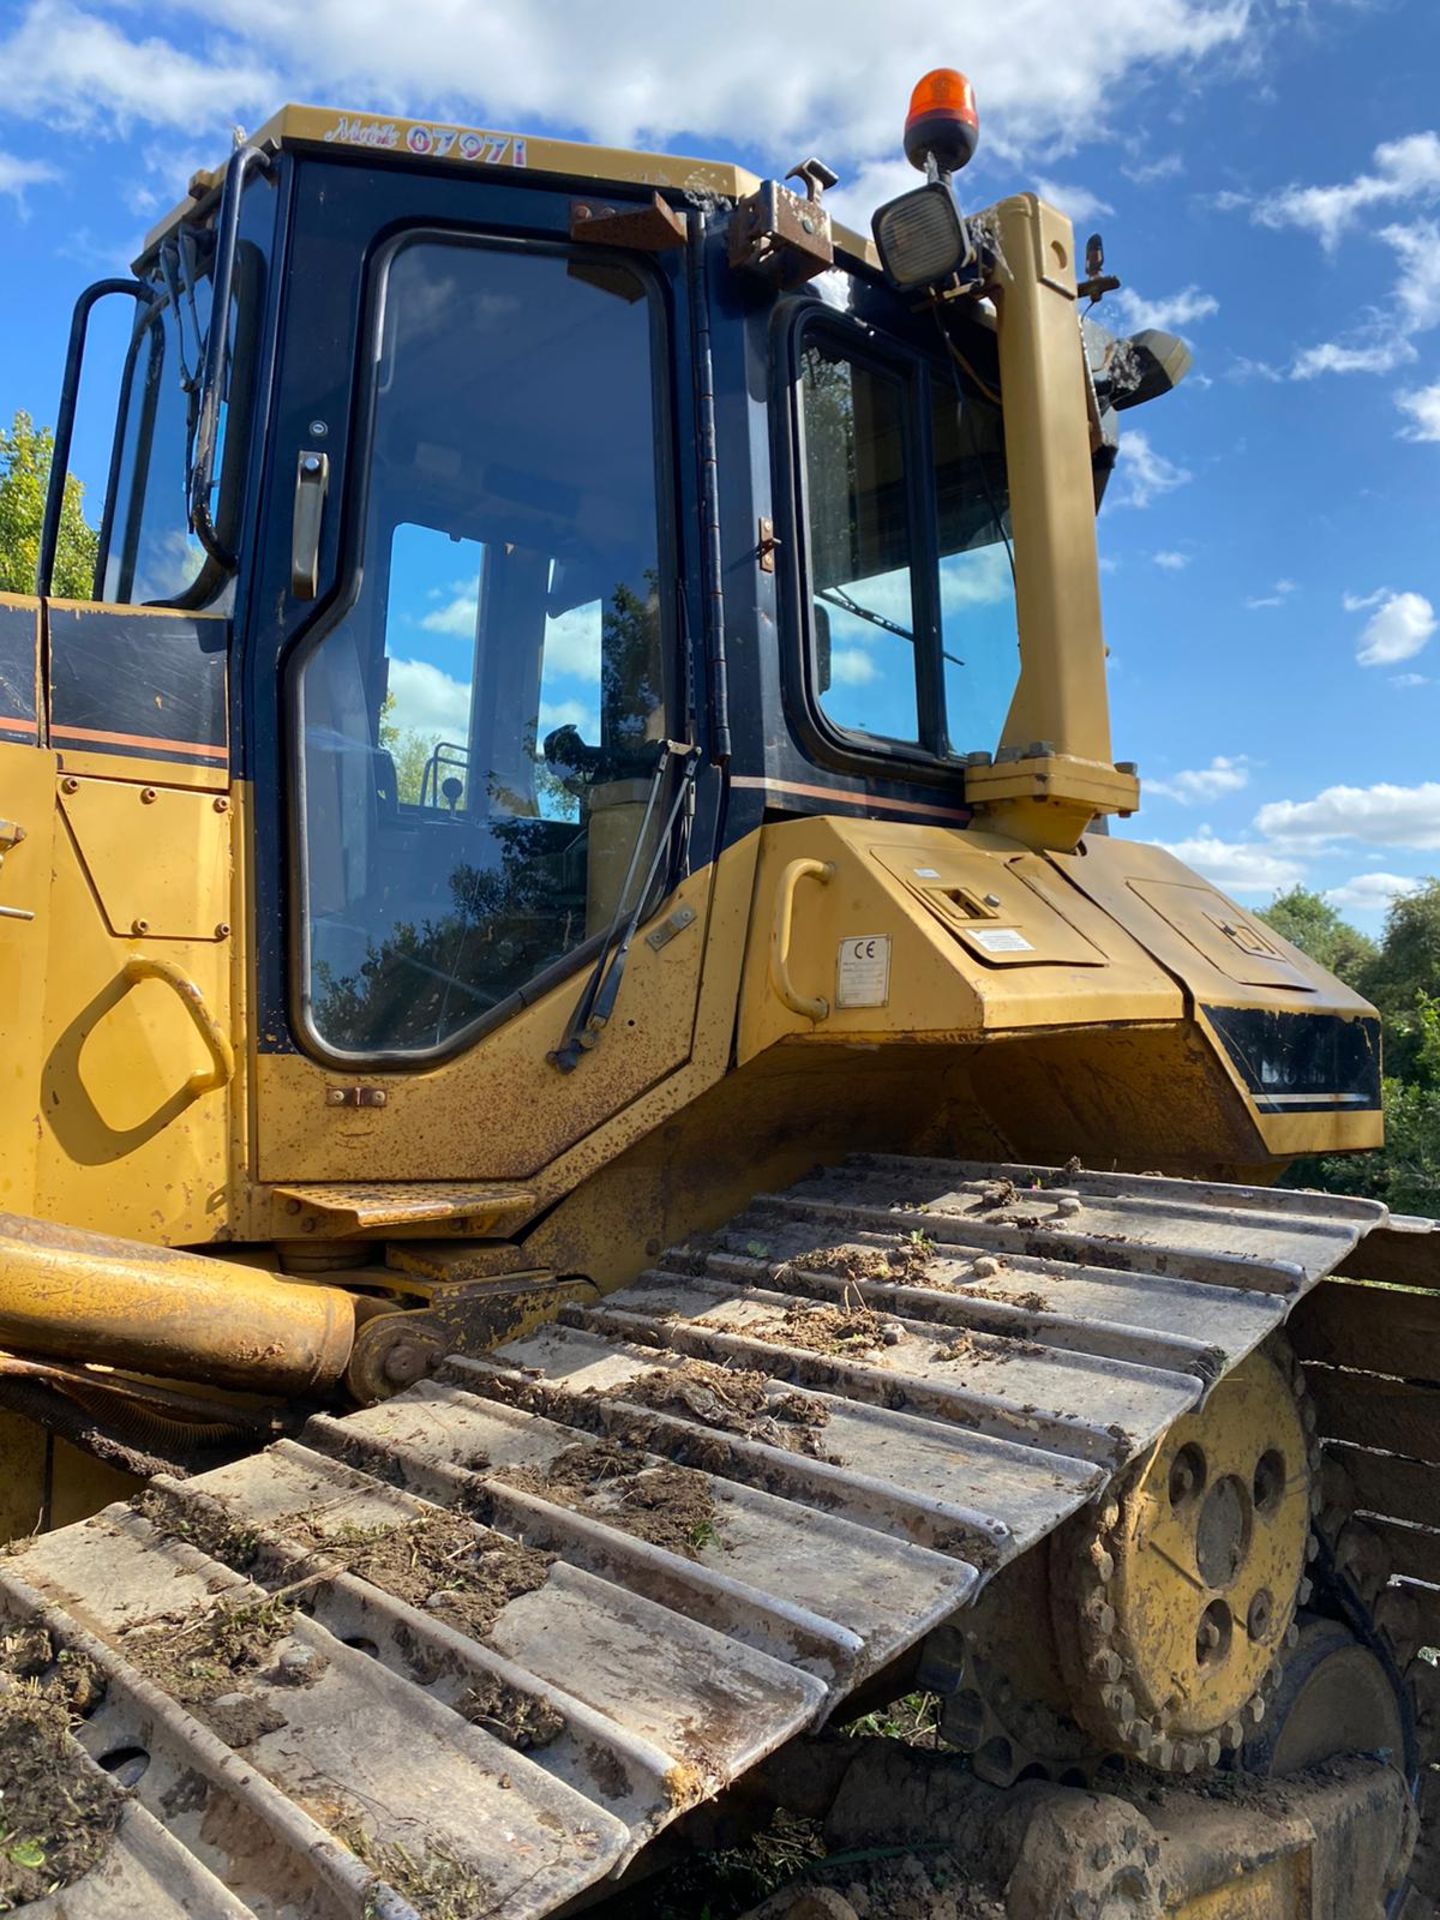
[480, 730]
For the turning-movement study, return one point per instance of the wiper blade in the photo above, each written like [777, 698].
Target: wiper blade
[838, 597]
[596, 1004]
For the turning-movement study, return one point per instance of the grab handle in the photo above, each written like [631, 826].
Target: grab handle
[816, 1007]
[142, 966]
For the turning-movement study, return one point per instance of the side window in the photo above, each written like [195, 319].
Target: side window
[148, 553]
[902, 652]
[860, 544]
[480, 731]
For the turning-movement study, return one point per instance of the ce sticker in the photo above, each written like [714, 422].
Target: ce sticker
[863, 970]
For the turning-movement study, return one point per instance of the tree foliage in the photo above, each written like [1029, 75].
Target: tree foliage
[1308, 921]
[25, 455]
[1401, 975]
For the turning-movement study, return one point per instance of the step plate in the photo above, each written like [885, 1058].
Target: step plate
[482, 1641]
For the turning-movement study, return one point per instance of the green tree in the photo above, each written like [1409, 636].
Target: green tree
[1407, 965]
[410, 751]
[25, 455]
[1401, 975]
[1308, 921]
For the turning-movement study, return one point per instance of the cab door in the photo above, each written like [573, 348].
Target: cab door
[474, 666]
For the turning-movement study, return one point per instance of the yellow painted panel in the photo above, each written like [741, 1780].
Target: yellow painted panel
[207, 775]
[1077, 967]
[22, 1476]
[124, 1145]
[158, 857]
[27, 797]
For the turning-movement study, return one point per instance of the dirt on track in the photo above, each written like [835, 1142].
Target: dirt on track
[615, 1481]
[58, 1813]
[737, 1400]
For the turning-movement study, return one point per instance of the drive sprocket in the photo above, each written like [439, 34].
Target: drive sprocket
[1173, 1599]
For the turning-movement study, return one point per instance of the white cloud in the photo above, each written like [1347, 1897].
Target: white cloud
[1223, 775]
[852, 667]
[428, 701]
[569, 713]
[1277, 596]
[1076, 203]
[1399, 626]
[573, 642]
[1171, 561]
[631, 78]
[979, 577]
[457, 615]
[1238, 866]
[1172, 313]
[17, 174]
[1385, 340]
[1146, 172]
[1370, 891]
[1383, 815]
[1423, 407]
[1142, 474]
[1381, 355]
[1409, 679]
[1403, 170]
[1417, 292]
[73, 69]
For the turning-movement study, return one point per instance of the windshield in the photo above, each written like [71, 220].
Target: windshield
[912, 591]
[149, 554]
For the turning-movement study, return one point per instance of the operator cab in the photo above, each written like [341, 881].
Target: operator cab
[531, 546]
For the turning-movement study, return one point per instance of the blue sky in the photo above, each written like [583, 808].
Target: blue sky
[1267, 177]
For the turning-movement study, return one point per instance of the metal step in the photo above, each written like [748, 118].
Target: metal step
[512, 1622]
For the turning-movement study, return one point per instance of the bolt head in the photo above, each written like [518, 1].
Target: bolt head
[147, 796]
[139, 926]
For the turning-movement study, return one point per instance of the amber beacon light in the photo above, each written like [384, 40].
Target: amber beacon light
[943, 124]
[920, 237]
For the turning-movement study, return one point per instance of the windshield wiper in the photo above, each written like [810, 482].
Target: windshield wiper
[596, 1004]
[838, 597]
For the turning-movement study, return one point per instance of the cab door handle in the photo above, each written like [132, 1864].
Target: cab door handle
[312, 483]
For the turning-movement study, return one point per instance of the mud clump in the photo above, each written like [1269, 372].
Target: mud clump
[614, 1481]
[522, 1720]
[904, 1264]
[438, 1561]
[207, 1527]
[830, 1330]
[58, 1813]
[732, 1400]
[207, 1659]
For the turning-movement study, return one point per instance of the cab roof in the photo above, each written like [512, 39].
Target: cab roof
[445, 144]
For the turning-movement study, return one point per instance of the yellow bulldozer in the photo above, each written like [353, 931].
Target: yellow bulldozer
[604, 1160]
